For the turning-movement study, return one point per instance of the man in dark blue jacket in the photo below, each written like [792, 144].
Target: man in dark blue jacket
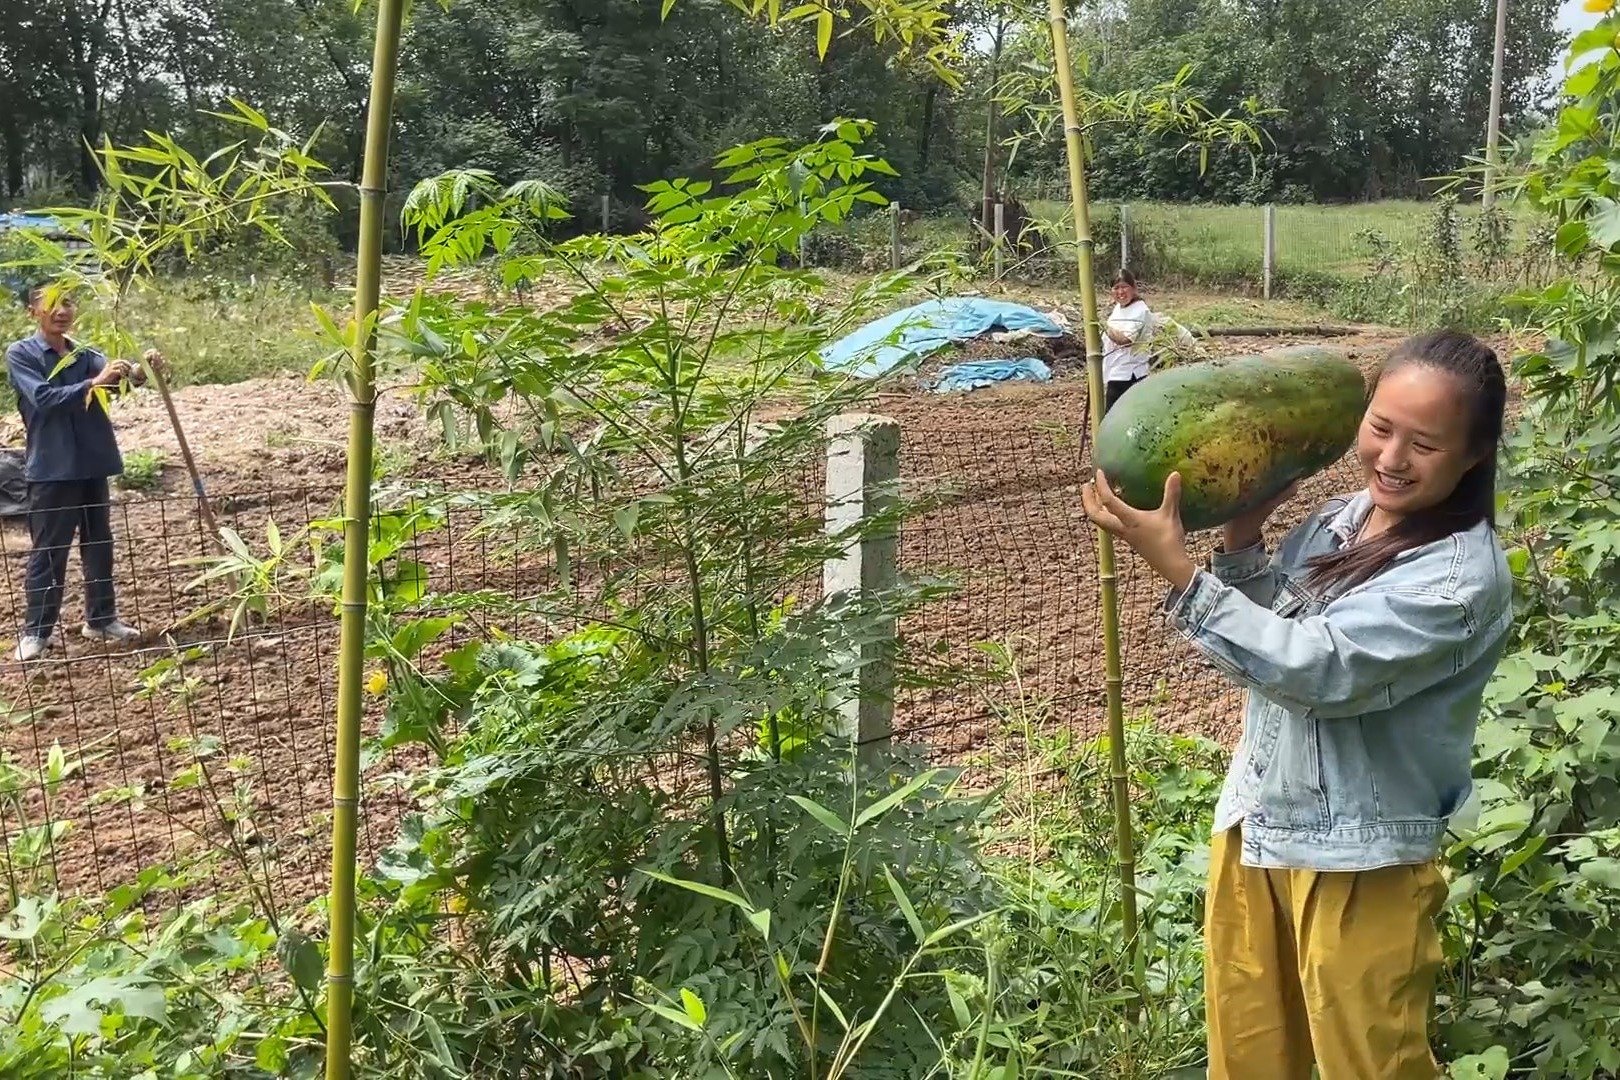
[71, 452]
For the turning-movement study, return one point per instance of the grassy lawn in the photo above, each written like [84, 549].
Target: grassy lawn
[1216, 244]
[215, 331]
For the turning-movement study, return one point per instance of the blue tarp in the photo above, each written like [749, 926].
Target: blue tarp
[41, 222]
[914, 332]
[978, 373]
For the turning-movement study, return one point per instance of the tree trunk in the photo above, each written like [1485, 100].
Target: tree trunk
[987, 209]
[85, 52]
[926, 136]
[11, 132]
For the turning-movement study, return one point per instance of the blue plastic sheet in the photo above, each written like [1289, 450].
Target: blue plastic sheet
[40, 222]
[913, 333]
[980, 373]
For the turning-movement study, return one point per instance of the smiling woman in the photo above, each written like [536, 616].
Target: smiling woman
[1427, 446]
[1365, 643]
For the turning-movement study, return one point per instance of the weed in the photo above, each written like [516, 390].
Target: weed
[143, 470]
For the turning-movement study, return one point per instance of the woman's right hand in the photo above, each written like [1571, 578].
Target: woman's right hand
[1244, 531]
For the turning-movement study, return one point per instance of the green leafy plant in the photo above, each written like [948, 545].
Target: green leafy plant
[143, 470]
[1536, 885]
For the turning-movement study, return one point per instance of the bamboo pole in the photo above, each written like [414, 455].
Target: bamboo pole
[1105, 544]
[356, 544]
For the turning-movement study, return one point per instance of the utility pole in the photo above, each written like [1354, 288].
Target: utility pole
[1493, 133]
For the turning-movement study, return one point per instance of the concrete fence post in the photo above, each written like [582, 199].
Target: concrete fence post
[863, 468]
[1268, 260]
[894, 236]
[1124, 236]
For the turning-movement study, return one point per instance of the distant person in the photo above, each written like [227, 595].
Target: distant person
[70, 454]
[1125, 338]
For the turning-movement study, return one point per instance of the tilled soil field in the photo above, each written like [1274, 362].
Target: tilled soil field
[1007, 465]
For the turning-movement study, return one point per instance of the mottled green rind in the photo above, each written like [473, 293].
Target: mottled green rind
[1239, 430]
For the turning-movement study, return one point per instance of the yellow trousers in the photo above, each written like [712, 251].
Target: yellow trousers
[1306, 966]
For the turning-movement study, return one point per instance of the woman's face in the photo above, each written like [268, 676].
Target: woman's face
[1124, 294]
[1413, 442]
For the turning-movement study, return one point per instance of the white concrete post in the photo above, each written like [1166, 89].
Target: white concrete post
[894, 236]
[1124, 236]
[863, 468]
[804, 241]
[607, 214]
[1269, 255]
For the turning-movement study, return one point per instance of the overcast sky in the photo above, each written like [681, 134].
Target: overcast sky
[1571, 19]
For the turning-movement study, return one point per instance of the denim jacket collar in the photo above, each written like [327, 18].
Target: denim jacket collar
[1348, 521]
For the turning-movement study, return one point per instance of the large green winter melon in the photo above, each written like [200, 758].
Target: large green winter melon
[1239, 430]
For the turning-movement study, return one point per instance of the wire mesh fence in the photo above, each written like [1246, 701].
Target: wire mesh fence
[100, 779]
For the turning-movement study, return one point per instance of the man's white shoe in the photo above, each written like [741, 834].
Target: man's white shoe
[117, 631]
[31, 648]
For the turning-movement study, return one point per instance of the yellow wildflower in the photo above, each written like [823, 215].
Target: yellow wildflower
[1598, 7]
[376, 682]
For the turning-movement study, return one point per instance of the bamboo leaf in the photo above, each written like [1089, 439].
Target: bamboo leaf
[671, 1015]
[835, 824]
[904, 901]
[956, 927]
[759, 918]
[832, 1007]
[890, 801]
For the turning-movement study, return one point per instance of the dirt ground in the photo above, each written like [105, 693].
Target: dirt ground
[1010, 531]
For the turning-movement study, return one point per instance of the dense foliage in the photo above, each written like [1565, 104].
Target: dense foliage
[603, 95]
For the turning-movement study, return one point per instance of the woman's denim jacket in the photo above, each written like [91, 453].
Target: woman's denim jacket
[1359, 730]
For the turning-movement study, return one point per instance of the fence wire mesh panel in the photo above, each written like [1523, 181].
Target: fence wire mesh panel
[119, 758]
[1009, 530]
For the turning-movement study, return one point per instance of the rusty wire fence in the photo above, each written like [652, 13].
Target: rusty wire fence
[94, 757]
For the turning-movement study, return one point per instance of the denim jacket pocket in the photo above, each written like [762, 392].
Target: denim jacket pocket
[1291, 791]
[1350, 770]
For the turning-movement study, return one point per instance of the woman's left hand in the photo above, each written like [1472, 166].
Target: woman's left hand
[1156, 535]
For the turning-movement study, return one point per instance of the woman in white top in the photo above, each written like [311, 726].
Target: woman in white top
[1125, 362]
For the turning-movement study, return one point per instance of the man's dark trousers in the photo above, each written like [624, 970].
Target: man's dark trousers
[56, 511]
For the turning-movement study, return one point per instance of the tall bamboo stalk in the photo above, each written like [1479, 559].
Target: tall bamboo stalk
[1105, 544]
[356, 543]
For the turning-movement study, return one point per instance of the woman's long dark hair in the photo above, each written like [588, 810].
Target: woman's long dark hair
[1484, 395]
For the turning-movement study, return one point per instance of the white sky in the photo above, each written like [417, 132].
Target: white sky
[1571, 20]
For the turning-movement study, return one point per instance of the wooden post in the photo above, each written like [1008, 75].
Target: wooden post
[1268, 257]
[204, 508]
[863, 469]
[607, 214]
